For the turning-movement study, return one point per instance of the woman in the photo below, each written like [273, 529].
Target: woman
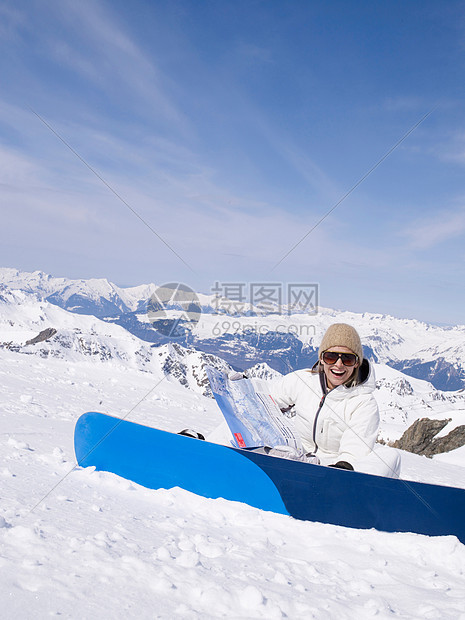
[335, 412]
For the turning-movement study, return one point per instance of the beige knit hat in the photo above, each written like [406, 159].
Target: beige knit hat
[341, 335]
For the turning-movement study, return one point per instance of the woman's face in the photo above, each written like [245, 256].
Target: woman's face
[337, 373]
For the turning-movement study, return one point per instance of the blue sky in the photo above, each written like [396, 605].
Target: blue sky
[231, 128]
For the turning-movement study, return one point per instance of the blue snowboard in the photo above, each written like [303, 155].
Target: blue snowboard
[157, 459]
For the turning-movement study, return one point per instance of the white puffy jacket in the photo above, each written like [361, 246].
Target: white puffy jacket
[339, 426]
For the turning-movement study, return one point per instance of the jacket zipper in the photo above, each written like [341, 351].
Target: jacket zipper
[324, 390]
[316, 420]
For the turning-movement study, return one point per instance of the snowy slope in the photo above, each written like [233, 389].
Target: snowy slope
[82, 544]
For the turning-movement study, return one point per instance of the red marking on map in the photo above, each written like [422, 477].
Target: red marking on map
[239, 439]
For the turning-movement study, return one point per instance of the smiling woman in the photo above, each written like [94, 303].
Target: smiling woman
[336, 414]
[333, 407]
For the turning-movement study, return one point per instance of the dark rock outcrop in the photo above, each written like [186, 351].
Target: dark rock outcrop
[44, 335]
[420, 438]
[455, 439]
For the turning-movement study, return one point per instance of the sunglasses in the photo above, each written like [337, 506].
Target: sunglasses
[331, 357]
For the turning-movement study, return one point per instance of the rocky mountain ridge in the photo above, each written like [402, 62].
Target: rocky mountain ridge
[284, 341]
[32, 327]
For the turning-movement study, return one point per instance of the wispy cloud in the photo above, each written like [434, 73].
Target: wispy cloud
[429, 232]
[29, 191]
[454, 150]
[253, 54]
[87, 40]
[297, 158]
[402, 103]
[50, 195]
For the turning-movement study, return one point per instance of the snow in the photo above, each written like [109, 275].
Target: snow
[456, 457]
[84, 544]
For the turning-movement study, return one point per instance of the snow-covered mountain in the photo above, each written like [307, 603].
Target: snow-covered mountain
[285, 341]
[98, 297]
[33, 327]
[33, 324]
